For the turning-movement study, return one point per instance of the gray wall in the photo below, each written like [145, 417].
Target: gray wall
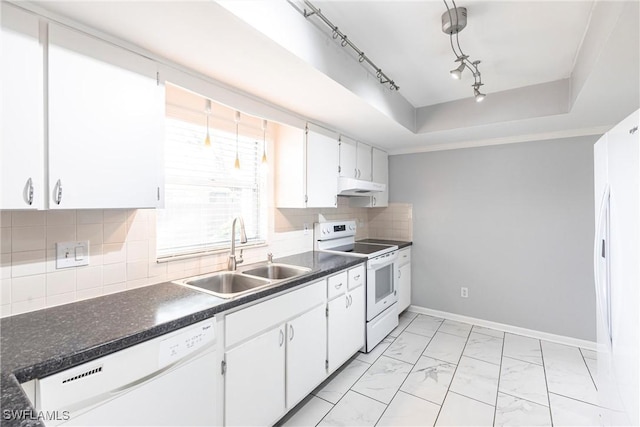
[513, 223]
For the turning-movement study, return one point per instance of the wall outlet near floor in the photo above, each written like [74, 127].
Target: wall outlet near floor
[464, 292]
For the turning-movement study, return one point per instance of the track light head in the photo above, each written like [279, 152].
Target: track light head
[478, 95]
[456, 74]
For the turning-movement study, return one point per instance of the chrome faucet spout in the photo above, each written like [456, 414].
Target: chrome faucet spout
[233, 262]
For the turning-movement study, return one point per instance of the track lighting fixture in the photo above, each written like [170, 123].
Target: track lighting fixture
[454, 20]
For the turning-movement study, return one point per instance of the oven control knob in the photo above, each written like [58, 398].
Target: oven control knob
[352, 227]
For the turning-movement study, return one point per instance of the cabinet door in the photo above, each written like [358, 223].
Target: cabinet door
[306, 354]
[106, 124]
[380, 174]
[22, 119]
[364, 161]
[403, 276]
[322, 170]
[348, 157]
[346, 327]
[255, 380]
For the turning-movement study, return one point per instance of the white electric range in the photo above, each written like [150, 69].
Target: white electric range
[381, 295]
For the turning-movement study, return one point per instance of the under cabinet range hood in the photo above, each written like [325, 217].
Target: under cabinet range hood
[358, 187]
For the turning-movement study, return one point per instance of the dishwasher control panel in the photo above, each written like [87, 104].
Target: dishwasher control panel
[186, 342]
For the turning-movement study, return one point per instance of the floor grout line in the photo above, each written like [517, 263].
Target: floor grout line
[522, 398]
[495, 409]
[588, 370]
[546, 382]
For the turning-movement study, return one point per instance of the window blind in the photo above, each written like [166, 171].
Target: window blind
[203, 190]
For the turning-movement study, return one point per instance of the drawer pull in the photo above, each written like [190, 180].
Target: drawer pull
[339, 285]
[356, 277]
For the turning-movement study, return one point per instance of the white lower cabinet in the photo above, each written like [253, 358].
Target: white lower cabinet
[403, 279]
[306, 349]
[346, 327]
[255, 380]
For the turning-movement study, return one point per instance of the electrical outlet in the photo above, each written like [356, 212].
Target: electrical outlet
[464, 292]
[306, 228]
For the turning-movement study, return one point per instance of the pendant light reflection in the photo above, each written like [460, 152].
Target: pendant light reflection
[236, 164]
[207, 110]
[264, 145]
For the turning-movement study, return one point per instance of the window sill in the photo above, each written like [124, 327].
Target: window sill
[168, 258]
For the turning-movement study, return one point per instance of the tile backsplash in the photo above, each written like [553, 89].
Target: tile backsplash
[122, 250]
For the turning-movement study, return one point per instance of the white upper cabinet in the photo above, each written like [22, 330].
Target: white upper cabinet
[380, 172]
[306, 168]
[22, 118]
[355, 159]
[106, 124]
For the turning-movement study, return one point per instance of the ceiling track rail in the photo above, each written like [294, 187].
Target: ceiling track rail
[344, 42]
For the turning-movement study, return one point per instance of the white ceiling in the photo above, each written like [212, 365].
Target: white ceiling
[590, 50]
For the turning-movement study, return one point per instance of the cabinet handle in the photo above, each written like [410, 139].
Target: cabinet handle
[335, 201]
[58, 198]
[346, 301]
[374, 201]
[356, 277]
[29, 190]
[350, 300]
[355, 173]
[291, 332]
[358, 173]
[281, 337]
[339, 285]
[399, 274]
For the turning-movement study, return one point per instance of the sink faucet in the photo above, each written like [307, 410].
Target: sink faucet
[232, 263]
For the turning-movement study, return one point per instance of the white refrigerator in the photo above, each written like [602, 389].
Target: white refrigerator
[617, 270]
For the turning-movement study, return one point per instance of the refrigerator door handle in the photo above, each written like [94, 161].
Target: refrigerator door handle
[600, 251]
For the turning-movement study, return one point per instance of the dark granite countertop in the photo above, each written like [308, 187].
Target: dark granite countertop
[399, 243]
[41, 343]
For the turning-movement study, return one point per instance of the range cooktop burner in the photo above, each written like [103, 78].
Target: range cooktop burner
[362, 248]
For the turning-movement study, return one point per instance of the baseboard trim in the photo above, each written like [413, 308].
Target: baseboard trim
[560, 339]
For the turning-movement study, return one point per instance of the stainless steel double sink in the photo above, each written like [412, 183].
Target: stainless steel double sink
[231, 284]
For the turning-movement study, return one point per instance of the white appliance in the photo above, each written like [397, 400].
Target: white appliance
[617, 270]
[381, 295]
[167, 381]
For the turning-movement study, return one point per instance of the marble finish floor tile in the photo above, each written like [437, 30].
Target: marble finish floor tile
[524, 380]
[513, 411]
[407, 347]
[484, 347]
[383, 379]
[459, 410]
[487, 331]
[455, 328]
[429, 379]
[408, 410]
[341, 381]
[424, 325]
[589, 354]
[569, 412]
[354, 410]
[522, 348]
[476, 379]
[403, 321]
[445, 347]
[309, 412]
[567, 372]
[377, 351]
[592, 366]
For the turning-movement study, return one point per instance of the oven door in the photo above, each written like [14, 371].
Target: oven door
[381, 289]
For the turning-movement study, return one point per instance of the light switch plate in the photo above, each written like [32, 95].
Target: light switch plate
[72, 254]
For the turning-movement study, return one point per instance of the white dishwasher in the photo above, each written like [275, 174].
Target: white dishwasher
[169, 380]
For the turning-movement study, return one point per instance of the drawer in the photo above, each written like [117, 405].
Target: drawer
[404, 256]
[356, 277]
[250, 321]
[337, 284]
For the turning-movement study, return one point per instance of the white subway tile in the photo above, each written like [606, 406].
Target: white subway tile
[115, 215]
[28, 238]
[61, 217]
[51, 261]
[152, 248]
[5, 310]
[27, 305]
[91, 232]
[5, 219]
[95, 255]
[28, 263]
[115, 232]
[57, 234]
[115, 288]
[28, 288]
[60, 299]
[5, 291]
[88, 277]
[137, 270]
[28, 218]
[114, 273]
[5, 266]
[137, 251]
[157, 269]
[90, 216]
[61, 282]
[114, 253]
[133, 284]
[137, 230]
[5, 240]
[88, 293]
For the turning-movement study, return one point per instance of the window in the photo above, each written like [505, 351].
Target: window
[203, 190]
